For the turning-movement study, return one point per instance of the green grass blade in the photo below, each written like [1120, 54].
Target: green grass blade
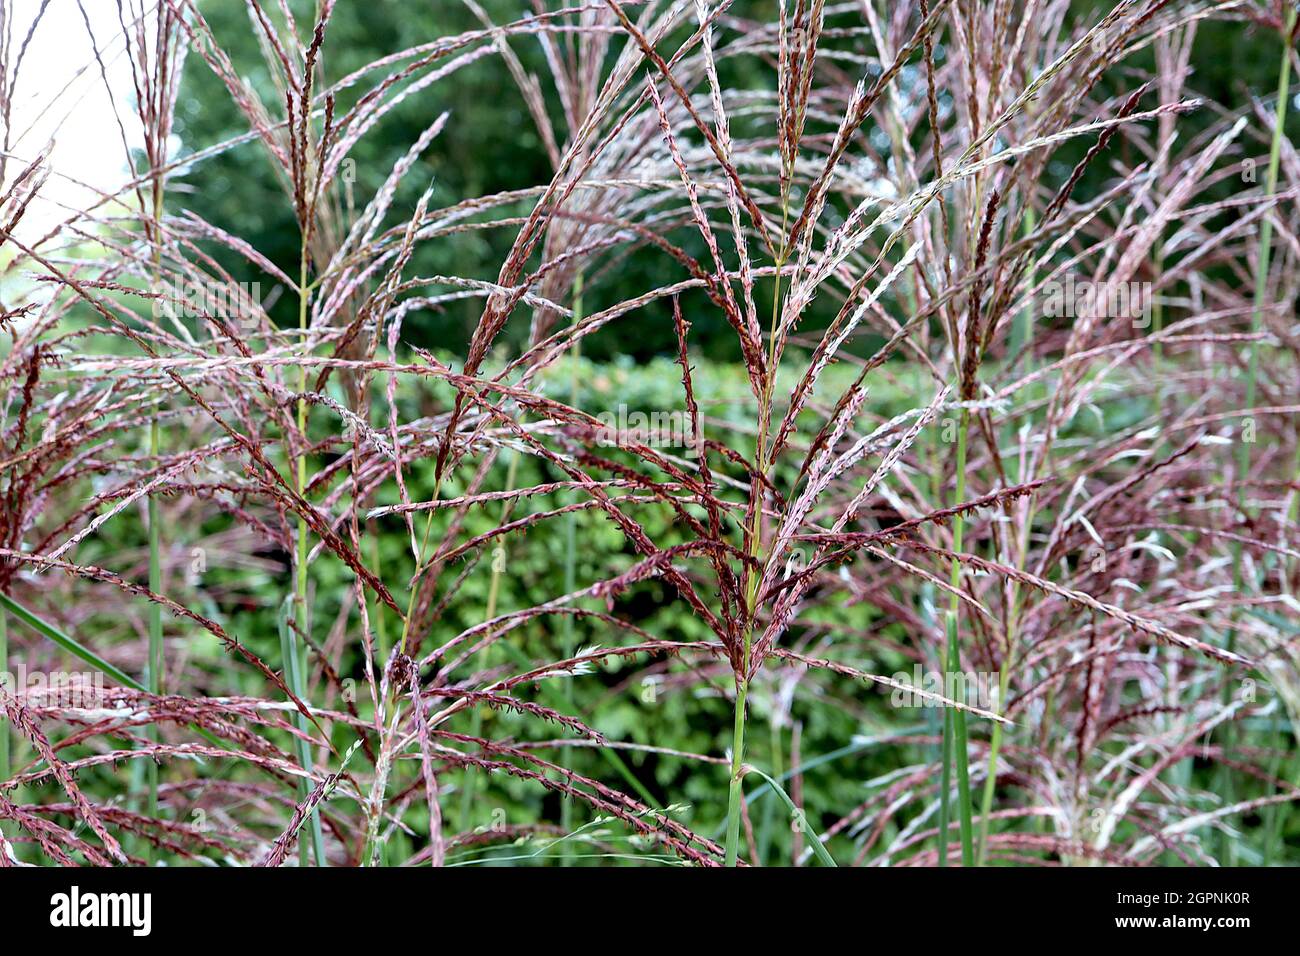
[77, 649]
[818, 847]
[734, 794]
[956, 745]
[153, 673]
[292, 671]
[69, 644]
